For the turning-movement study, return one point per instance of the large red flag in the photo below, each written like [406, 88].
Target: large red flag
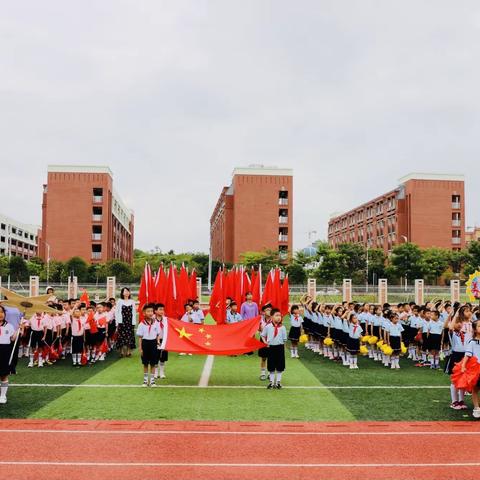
[277, 290]
[232, 339]
[256, 287]
[183, 286]
[145, 292]
[171, 297]
[85, 298]
[161, 285]
[267, 296]
[193, 286]
[218, 298]
[285, 296]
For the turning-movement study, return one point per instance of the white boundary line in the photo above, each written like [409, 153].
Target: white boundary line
[292, 387]
[242, 465]
[232, 432]
[206, 372]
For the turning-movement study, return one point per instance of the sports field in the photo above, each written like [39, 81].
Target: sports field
[315, 389]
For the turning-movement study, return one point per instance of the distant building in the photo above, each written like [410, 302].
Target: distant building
[426, 209]
[472, 234]
[253, 214]
[18, 239]
[83, 216]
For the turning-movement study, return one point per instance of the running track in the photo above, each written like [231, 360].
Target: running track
[124, 450]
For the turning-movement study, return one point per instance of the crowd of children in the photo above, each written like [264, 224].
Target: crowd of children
[425, 334]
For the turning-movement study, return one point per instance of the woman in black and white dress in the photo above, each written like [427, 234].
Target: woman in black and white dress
[126, 319]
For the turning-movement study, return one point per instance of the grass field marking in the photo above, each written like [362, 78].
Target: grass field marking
[206, 372]
[231, 432]
[241, 465]
[231, 387]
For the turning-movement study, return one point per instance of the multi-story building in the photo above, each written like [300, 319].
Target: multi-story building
[253, 214]
[472, 234]
[426, 209]
[83, 216]
[18, 239]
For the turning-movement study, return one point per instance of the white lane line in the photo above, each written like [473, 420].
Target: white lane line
[232, 432]
[241, 465]
[206, 372]
[292, 387]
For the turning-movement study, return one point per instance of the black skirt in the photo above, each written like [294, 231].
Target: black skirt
[376, 331]
[353, 345]
[77, 344]
[294, 334]
[307, 325]
[434, 341]
[162, 356]
[5, 352]
[451, 360]
[396, 344]
[149, 352]
[276, 358]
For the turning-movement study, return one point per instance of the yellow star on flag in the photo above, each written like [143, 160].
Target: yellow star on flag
[207, 344]
[183, 333]
[201, 330]
[208, 335]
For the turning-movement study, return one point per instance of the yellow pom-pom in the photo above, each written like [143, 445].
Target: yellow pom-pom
[403, 348]
[379, 344]
[328, 342]
[364, 350]
[303, 338]
[365, 338]
[388, 350]
[373, 340]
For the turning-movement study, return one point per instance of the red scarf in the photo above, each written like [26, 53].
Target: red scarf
[149, 326]
[79, 324]
[355, 329]
[276, 327]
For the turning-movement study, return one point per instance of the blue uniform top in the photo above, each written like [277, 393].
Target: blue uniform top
[355, 331]
[395, 329]
[424, 325]
[296, 320]
[473, 348]
[435, 327]
[457, 342]
[268, 334]
[415, 321]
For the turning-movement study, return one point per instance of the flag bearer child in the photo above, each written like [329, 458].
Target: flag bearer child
[149, 332]
[162, 354]
[275, 335]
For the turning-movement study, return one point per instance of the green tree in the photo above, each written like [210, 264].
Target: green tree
[474, 258]
[79, 267]
[35, 266]
[18, 268]
[376, 264]
[121, 270]
[406, 261]
[268, 259]
[296, 268]
[4, 266]
[434, 264]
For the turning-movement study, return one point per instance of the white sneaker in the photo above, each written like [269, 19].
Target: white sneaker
[398, 367]
[352, 367]
[162, 375]
[3, 399]
[356, 367]
[476, 413]
[30, 364]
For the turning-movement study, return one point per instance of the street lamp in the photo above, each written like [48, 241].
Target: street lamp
[405, 239]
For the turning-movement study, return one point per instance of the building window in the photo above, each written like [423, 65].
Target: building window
[3, 226]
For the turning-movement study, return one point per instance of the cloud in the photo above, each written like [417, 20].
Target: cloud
[172, 95]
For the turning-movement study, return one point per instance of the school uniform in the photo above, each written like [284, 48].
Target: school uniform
[6, 333]
[423, 325]
[435, 329]
[162, 354]
[336, 329]
[78, 334]
[37, 326]
[263, 352]
[197, 316]
[307, 321]
[275, 336]
[458, 343]
[354, 334]
[233, 317]
[112, 325]
[395, 335]
[345, 332]
[376, 323]
[149, 334]
[101, 321]
[295, 328]
[50, 322]
[363, 320]
[188, 318]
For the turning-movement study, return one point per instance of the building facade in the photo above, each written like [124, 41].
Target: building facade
[425, 209]
[472, 234]
[18, 239]
[253, 214]
[83, 216]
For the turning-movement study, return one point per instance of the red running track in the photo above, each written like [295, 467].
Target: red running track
[124, 450]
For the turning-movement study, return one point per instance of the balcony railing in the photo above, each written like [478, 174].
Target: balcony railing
[283, 201]
[456, 223]
[456, 205]
[97, 199]
[97, 218]
[282, 219]
[96, 255]
[96, 236]
[456, 240]
[283, 255]
[283, 238]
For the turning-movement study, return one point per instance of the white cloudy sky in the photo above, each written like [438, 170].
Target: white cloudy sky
[172, 95]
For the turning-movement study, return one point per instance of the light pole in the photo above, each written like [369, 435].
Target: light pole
[405, 239]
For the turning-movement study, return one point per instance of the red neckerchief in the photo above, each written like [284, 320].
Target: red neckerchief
[39, 319]
[296, 317]
[149, 326]
[355, 329]
[276, 326]
[160, 321]
[462, 336]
